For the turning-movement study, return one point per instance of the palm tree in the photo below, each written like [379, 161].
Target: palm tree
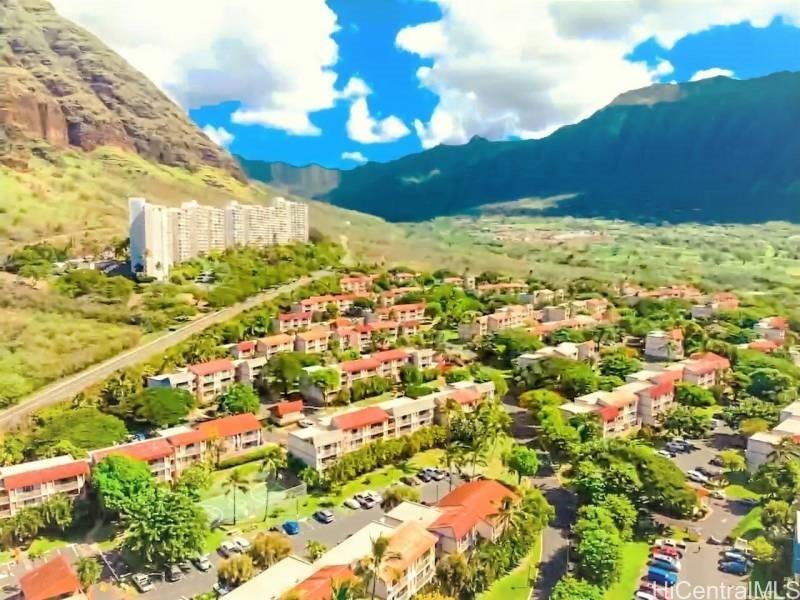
[398, 494]
[371, 566]
[345, 589]
[315, 549]
[786, 450]
[453, 573]
[89, 571]
[236, 482]
[454, 456]
[509, 516]
[269, 548]
[269, 467]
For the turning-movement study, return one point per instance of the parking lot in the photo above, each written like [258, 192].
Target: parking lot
[346, 522]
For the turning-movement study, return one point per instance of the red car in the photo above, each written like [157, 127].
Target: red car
[667, 550]
[648, 587]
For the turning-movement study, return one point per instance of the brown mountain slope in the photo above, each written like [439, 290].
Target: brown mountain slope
[61, 85]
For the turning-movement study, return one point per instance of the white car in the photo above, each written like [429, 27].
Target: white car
[670, 543]
[227, 549]
[669, 559]
[697, 476]
[142, 582]
[305, 423]
[352, 503]
[242, 543]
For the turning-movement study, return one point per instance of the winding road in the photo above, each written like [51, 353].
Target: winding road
[69, 387]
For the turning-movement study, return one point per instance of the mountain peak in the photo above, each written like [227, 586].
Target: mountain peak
[61, 85]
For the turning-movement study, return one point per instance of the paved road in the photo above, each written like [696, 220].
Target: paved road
[68, 388]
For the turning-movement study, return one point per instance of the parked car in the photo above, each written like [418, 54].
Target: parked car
[640, 595]
[666, 453]
[374, 495]
[436, 474]
[667, 559]
[424, 477]
[173, 573]
[367, 502]
[714, 541]
[228, 548]
[291, 527]
[352, 503]
[142, 582]
[663, 564]
[410, 480]
[242, 543]
[735, 556]
[672, 543]
[697, 477]
[648, 587]
[661, 577]
[733, 567]
[717, 461]
[305, 423]
[324, 516]
[666, 550]
[222, 588]
[202, 562]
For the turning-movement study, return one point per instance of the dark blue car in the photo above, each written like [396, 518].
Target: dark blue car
[733, 567]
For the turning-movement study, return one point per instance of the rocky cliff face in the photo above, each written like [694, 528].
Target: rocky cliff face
[61, 85]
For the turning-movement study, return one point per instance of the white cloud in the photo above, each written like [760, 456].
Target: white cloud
[355, 88]
[219, 135]
[273, 56]
[712, 72]
[363, 128]
[525, 68]
[354, 156]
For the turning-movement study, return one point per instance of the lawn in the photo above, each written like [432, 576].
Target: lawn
[739, 487]
[43, 544]
[750, 526]
[634, 558]
[516, 585]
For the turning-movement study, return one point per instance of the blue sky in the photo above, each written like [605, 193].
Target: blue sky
[367, 49]
[337, 82]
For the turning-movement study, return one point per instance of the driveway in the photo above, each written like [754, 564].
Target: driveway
[68, 387]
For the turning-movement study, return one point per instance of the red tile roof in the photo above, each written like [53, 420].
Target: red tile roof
[377, 325]
[389, 355]
[212, 366]
[318, 586]
[187, 438]
[763, 345]
[360, 364]
[146, 450]
[284, 408]
[673, 375]
[232, 425]
[661, 388]
[778, 322]
[407, 544]
[360, 418]
[466, 396]
[246, 346]
[54, 473]
[608, 413]
[717, 362]
[407, 307]
[470, 503]
[295, 316]
[54, 579]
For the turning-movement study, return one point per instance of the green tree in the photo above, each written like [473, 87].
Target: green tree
[163, 526]
[622, 512]
[689, 394]
[570, 588]
[238, 399]
[237, 570]
[286, 368]
[86, 428]
[194, 480]
[315, 549]
[234, 483]
[772, 385]
[763, 550]
[160, 406]
[619, 365]
[371, 565]
[733, 461]
[270, 465]
[269, 548]
[777, 517]
[57, 512]
[398, 494]
[89, 571]
[599, 555]
[522, 461]
[452, 574]
[119, 480]
[686, 421]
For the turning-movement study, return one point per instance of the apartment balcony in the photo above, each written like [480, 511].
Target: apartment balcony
[74, 486]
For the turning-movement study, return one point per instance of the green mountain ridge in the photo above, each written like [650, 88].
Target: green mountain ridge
[715, 150]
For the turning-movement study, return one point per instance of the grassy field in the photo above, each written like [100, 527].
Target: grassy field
[750, 526]
[517, 584]
[38, 347]
[634, 557]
